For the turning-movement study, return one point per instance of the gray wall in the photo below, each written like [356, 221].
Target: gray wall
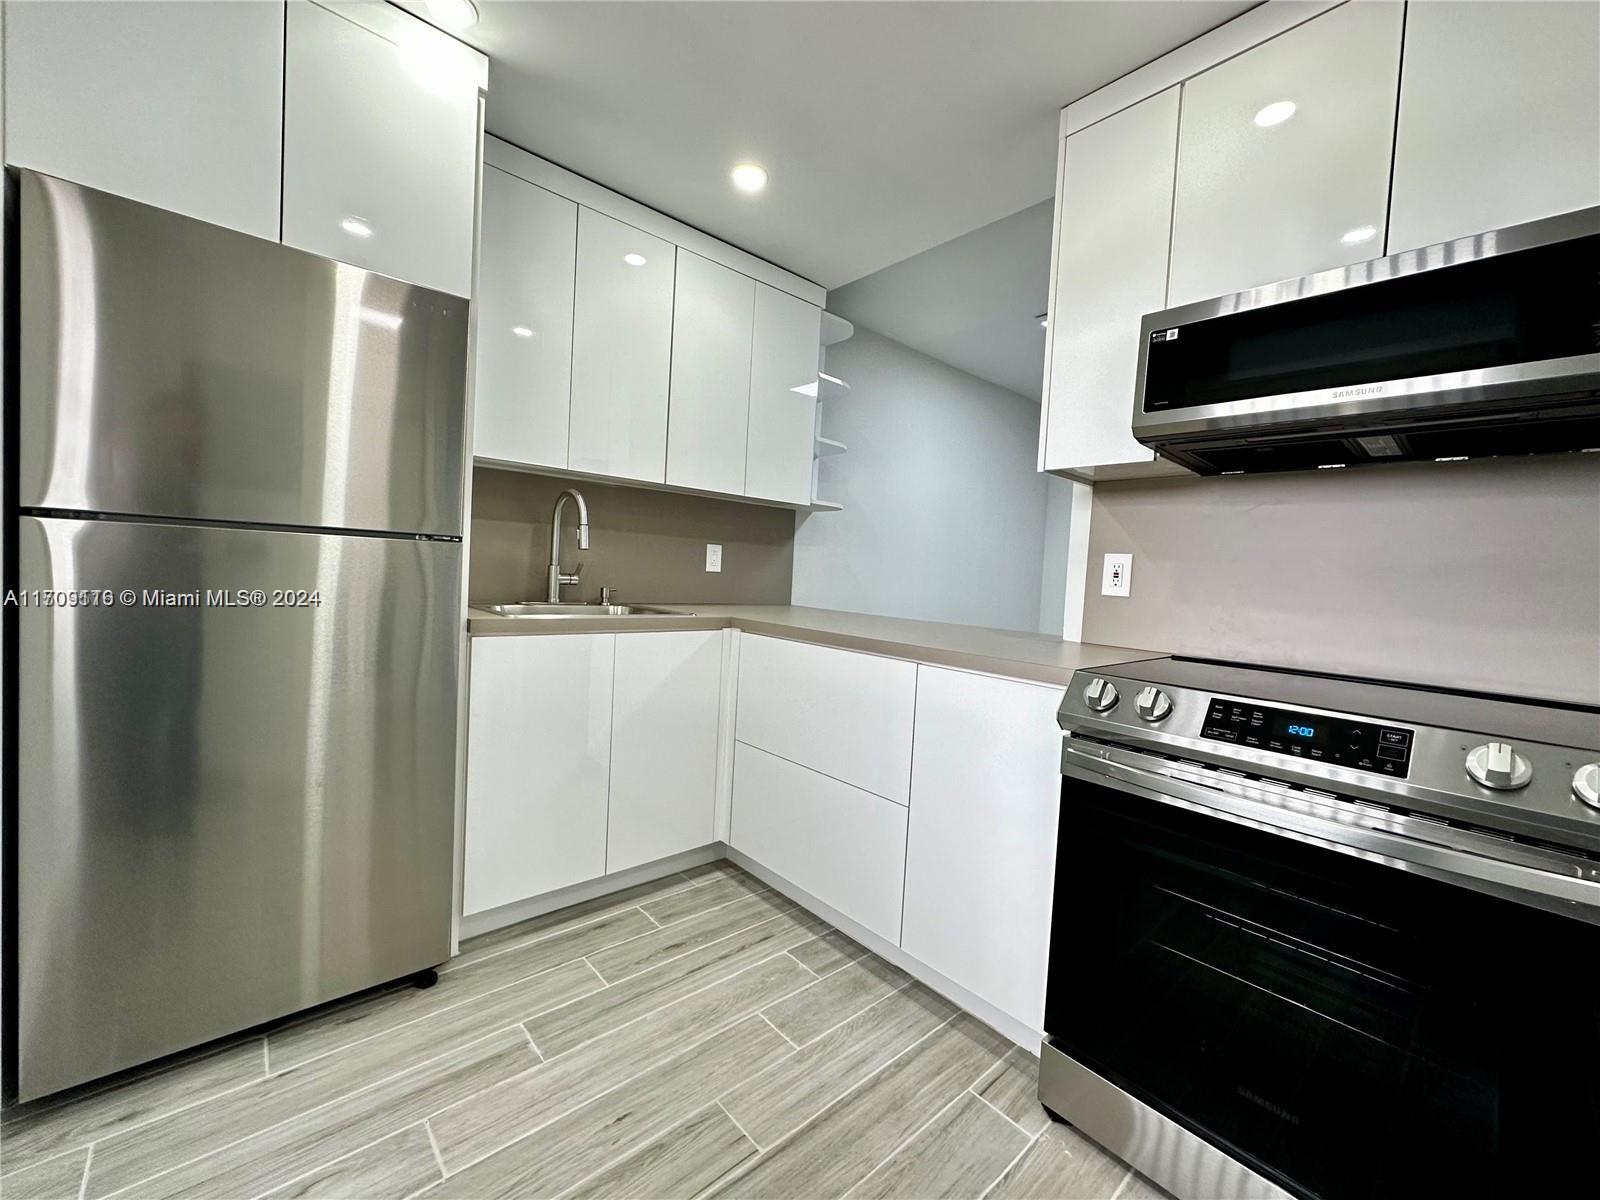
[646, 545]
[944, 511]
[1481, 575]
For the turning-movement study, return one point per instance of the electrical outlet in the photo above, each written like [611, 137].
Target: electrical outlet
[713, 557]
[1117, 577]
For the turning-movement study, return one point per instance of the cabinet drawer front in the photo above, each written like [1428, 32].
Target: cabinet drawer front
[980, 855]
[844, 846]
[844, 714]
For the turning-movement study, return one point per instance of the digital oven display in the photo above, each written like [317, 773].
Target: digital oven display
[1363, 745]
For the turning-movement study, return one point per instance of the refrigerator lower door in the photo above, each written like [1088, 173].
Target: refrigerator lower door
[225, 813]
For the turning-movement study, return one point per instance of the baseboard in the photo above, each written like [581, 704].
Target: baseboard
[1002, 1022]
[537, 906]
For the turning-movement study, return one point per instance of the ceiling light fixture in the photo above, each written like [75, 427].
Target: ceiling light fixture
[635, 260]
[749, 177]
[1275, 113]
[356, 227]
[522, 331]
[1361, 233]
[454, 15]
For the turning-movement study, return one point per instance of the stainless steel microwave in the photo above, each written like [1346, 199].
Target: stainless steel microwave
[1486, 345]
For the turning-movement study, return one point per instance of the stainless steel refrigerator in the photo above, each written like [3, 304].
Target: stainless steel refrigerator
[237, 531]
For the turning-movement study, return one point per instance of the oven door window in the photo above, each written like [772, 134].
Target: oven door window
[1345, 1028]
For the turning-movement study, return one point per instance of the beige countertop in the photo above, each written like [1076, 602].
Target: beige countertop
[995, 651]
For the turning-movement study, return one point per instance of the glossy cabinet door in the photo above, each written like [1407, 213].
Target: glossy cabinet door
[783, 397]
[980, 854]
[380, 142]
[170, 103]
[1258, 204]
[665, 716]
[843, 845]
[621, 350]
[1111, 269]
[522, 392]
[846, 714]
[709, 408]
[1499, 117]
[538, 757]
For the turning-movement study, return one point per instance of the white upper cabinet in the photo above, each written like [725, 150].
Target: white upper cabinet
[1111, 268]
[783, 397]
[709, 408]
[1499, 117]
[523, 383]
[170, 103]
[621, 350]
[1259, 201]
[380, 142]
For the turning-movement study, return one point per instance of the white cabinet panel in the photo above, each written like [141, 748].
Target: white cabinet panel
[847, 715]
[381, 142]
[1499, 117]
[621, 350]
[843, 845]
[980, 856]
[523, 383]
[783, 404]
[709, 408]
[538, 753]
[664, 745]
[169, 103]
[1111, 269]
[1258, 204]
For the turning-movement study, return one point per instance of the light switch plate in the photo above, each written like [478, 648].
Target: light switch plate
[713, 556]
[1117, 577]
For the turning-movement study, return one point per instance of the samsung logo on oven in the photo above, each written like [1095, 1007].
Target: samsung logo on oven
[1366, 389]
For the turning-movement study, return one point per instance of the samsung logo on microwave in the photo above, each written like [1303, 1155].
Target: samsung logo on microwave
[1366, 389]
[1164, 335]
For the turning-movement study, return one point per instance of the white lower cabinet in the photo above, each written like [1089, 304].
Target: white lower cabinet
[538, 758]
[980, 856]
[843, 845]
[665, 711]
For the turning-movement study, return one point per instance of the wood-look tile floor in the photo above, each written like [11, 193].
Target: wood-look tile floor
[694, 1036]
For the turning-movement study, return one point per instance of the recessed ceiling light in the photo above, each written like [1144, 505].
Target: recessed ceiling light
[749, 177]
[356, 227]
[1275, 113]
[454, 15]
[522, 331]
[635, 260]
[1361, 233]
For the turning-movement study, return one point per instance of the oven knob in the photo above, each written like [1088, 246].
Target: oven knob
[1152, 704]
[1100, 695]
[1496, 765]
[1586, 784]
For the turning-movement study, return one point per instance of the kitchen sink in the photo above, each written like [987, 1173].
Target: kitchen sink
[541, 608]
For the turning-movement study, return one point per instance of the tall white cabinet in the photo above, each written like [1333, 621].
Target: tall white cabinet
[783, 397]
[621, 350]
[1499, 117]
[526, 276]
[708, 411]
[167, 102]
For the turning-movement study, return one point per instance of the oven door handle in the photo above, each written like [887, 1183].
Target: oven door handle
[1535, 875]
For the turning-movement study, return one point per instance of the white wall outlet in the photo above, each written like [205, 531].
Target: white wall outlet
[713, 557]
[1117, 577]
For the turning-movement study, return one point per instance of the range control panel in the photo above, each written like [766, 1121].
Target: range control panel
[1363, 745]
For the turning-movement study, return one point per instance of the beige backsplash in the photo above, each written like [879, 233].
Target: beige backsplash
[644, 545]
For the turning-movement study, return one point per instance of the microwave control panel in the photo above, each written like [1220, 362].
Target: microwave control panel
[1362, 745]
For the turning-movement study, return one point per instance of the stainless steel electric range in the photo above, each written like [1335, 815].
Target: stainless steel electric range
[1326, 938]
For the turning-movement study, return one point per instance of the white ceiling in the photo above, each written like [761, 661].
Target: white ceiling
[888, 127]
[973, 302]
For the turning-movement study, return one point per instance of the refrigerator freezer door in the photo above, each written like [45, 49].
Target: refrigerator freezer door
[225, 814]
[168, 367]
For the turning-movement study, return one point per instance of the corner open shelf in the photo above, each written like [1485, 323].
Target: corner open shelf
[829, 387]
[827, 447]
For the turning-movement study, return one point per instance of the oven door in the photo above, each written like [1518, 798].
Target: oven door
[1345, 1025]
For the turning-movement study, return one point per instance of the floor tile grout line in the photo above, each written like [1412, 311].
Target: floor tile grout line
[814, 976]
[454, 966]
[648, 1142]
[982, 1099]
[915, 1133]
[651, 919]
[731, 934]
[815, 1038]
[774, 1028]
[532, 1045]
[1123, 1186]
[40, 1161]
[736, 1124]
[1010, 1166]
[83, 1184]
[433, 1143]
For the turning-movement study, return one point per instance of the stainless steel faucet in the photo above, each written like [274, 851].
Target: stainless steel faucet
[553, 594]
